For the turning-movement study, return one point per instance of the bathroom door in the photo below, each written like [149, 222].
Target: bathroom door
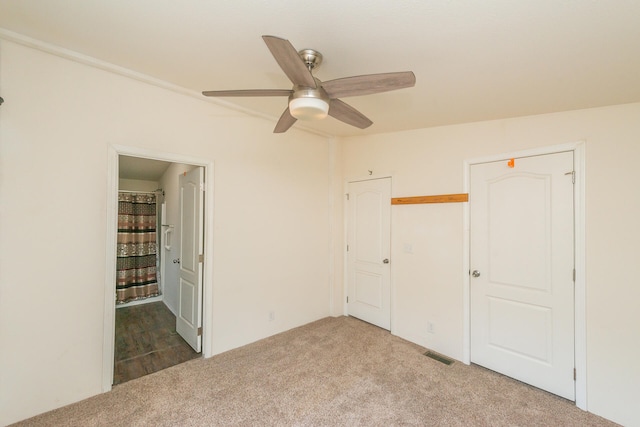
[189, 316]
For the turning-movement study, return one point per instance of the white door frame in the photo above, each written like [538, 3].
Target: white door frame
[578, 149]
[111, 229]
[345, 271]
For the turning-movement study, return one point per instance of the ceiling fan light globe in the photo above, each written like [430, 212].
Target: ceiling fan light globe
[308, 108]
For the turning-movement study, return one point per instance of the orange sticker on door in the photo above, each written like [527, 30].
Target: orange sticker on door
[511, 163]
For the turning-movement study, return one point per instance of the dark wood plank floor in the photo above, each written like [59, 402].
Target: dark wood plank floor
[147, 341]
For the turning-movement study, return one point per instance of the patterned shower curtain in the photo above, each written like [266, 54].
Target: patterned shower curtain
[136, 264]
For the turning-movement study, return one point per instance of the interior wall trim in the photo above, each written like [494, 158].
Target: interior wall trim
[114, 151]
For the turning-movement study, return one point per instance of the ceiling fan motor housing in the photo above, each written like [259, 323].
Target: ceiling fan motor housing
[307, 103]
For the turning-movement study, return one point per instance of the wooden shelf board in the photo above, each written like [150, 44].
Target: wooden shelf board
[442, 198]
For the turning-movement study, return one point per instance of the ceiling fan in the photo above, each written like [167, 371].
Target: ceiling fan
[311, 99]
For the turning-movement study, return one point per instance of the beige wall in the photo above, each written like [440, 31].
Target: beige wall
[271, 219]
[428, 284]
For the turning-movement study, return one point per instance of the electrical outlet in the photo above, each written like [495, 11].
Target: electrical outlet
[431, 328]
[272, 316]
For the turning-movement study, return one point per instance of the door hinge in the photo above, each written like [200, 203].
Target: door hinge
[574, 374]
[574, 274]
[347, 248]
[201, 258]
[203, 186]
[347, 196]
[573, 176]
[200, 331]
[347, 300]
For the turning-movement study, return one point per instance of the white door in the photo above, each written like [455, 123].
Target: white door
[368, 248]
[522, 305]
[189, 316]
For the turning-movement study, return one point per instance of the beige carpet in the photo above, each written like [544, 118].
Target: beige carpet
[336, 371]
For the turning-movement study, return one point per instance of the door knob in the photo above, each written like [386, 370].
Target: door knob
[176, 261]
[386, 260]
[475, 273]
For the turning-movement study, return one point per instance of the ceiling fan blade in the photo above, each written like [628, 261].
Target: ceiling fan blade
[346, 113]
[248, 92]
[290, 62]
[368, 84]
[285, 122]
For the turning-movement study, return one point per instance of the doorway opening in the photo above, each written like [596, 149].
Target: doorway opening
[148, 269]
[143, 336]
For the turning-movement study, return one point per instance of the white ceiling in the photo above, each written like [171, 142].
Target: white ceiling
[473, 60]
[141, 168]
